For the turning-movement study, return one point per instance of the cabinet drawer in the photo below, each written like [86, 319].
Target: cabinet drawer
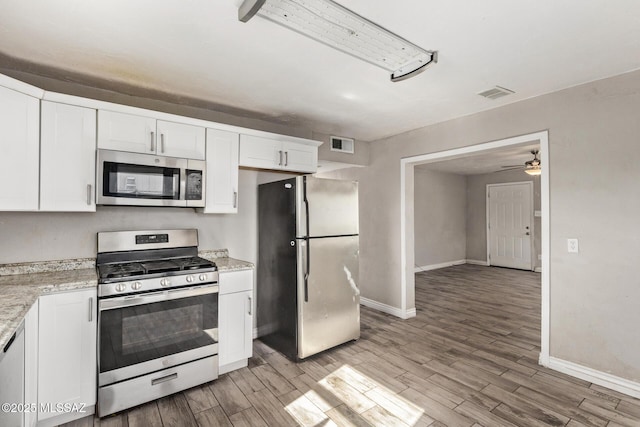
[236, 281]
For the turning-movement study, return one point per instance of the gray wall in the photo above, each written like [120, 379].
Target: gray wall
[38, 236]
[440, 217]
[477, 211]
[594, 196]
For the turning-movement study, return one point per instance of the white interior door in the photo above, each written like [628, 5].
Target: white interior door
[510, 225]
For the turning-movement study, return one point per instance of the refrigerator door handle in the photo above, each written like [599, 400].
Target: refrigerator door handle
[308, 260]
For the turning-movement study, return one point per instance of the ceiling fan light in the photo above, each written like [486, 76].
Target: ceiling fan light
[336, 26]
[533, 170]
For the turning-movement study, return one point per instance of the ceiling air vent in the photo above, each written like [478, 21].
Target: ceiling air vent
[343, 145]
[496, 92]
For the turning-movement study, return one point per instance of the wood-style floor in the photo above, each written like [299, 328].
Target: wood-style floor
[469, 358]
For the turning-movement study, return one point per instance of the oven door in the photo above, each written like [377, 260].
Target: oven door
[144, 333]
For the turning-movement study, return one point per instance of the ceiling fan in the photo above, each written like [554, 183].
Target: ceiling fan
[532, 167]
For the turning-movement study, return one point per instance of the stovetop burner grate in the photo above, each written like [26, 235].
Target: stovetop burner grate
[142, 268]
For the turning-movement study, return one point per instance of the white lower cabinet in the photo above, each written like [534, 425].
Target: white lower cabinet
[12, 380]
[67, 356]
[235, 319]
[31, 363]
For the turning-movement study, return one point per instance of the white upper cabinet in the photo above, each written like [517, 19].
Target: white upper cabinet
[67, 163]
[126, 132]
[222, 172]
[259, 152]
[300, 157]
[281, 154]
[140, 134]
[180, 140]
[19, 148]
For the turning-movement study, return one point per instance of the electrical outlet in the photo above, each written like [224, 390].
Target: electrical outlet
[572, 246]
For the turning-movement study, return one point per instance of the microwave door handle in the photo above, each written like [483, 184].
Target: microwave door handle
[183, 185]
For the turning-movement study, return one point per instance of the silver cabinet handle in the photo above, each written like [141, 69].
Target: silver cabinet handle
[235, 199]
[153, 141]
[90, 309]
[286, 158]
[162, 142]
[89, 187]
[164, 379]
[250, 306]
[280, 158]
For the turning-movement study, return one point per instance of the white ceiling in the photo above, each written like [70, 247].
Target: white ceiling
[198, 49]
[484, 162]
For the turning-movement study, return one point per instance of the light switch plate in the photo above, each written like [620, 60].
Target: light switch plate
[572, 246]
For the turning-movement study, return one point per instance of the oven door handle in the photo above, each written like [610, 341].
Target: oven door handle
[133, 300]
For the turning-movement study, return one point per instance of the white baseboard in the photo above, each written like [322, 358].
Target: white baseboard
[538, 269]
[476, 262]
[255, 333]
[385, 308]
[437, 266]
[603, 379]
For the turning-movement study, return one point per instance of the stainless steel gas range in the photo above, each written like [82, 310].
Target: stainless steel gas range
[157, 317]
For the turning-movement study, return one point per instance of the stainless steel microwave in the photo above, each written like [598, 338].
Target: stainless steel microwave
[148, 180]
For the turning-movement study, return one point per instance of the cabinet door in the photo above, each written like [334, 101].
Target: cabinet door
[180, 140]
[67, 158]
[126, 132]
[236, 316]
[222, 172]
[19, 145]
[258, 152]
[67, 349]
[31, 363]
[300, 157]
[12, 380]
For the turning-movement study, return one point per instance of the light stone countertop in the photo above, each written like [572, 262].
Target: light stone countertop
[18, 292]
[22, 284]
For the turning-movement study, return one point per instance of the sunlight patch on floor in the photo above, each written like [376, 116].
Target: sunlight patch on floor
[367, 400]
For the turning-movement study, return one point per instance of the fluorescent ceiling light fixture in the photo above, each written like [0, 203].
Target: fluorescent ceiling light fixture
[338, 27]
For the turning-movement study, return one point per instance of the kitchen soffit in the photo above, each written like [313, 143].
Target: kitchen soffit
[199, 50]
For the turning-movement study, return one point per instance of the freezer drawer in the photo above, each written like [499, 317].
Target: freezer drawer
[329, 301]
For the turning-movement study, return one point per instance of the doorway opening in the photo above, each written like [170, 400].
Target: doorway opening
[407, 219]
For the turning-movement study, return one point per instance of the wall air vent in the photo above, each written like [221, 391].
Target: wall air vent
[343, 145]
[496, 92]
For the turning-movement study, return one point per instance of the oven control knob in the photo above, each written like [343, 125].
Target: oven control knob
[136, 285]
[190, 279]
[202, 277]
[165, 282]
[121, 287]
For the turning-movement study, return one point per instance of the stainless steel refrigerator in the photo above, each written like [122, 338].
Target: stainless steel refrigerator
[307, 285]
